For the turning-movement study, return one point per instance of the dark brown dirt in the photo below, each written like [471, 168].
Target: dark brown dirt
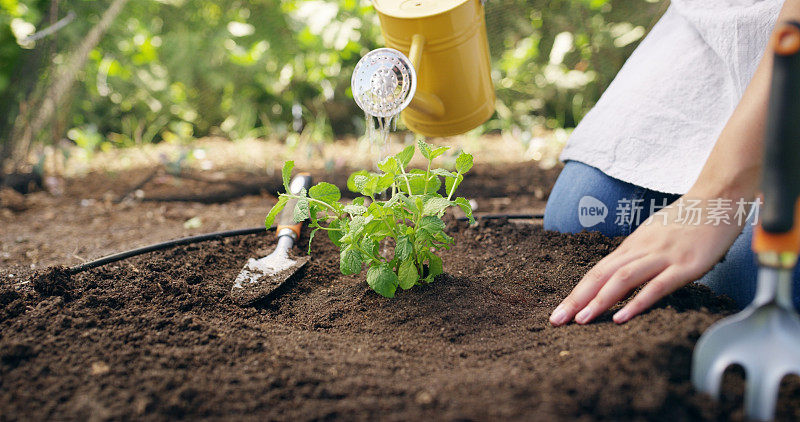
[157, 337]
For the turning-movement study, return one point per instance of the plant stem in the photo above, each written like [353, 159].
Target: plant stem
[311, 200]
[417, 263]
[393, 224]
[427, 177]
[369, 255]
[453, 188]
[328, 228]
[405, 176]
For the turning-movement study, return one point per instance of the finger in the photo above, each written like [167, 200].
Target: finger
[588, 287]
[619, 284]
[663, 284]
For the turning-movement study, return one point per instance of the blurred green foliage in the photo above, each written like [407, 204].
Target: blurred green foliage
[175, 70]
[552, 59]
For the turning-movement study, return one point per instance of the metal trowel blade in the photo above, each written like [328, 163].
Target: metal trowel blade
[261, 277]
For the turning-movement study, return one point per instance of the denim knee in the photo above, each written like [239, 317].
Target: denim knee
[578, 186]
[585, 198]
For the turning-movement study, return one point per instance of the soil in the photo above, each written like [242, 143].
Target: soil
[157, 337]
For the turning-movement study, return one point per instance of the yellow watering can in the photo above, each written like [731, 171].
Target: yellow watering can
[437, 64]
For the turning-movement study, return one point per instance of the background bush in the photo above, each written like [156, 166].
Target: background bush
[175, 70]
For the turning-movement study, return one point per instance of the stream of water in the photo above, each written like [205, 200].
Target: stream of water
[378, 129]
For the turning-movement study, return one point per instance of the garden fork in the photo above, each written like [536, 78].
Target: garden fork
[765, 337]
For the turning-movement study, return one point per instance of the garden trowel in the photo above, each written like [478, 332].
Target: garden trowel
[262, 277]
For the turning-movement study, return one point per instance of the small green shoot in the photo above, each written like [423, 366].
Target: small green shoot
[411, 217]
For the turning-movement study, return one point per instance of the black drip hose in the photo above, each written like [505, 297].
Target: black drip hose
[238, 232]
[168, 244]
[505, 216]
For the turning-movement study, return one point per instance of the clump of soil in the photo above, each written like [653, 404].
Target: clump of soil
[158, 337]
[54, 281]
[12, 353]
[11, 303]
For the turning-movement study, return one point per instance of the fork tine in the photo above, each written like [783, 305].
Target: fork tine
[761, 394]
[707, 373]
[711, 357]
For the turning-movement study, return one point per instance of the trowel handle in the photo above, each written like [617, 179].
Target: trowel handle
[779, 229]
[286, 216]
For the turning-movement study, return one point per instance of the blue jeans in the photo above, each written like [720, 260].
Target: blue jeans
[585, 198]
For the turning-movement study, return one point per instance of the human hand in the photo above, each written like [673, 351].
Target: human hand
[666, 252]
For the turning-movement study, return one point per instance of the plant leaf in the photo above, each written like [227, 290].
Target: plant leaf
[375, 209]
[368, 244]
[435, 266]
[431, 223]
[371, 183]
[448, 183]
[351, 180]
[389, 165]
[350, 260]
[463, 162]
[403, 249]
[287, 174]
[416, 179]
[434, 183]
[313, 211]
[360, 182]
[465, 206]
[325, 192]
[434, 205]
[418, 203]
[354, 228]
[404, 156]
[429, 227]
[408, 202]
[384, 182]
[310, 238]
[382, 279]
[407, 274]
[393, 200]
[278, 207]
[443, 172]
[435, 152]
[335, 235]
[355, 209]
[443, 238]
[424, 148]
[301, 211]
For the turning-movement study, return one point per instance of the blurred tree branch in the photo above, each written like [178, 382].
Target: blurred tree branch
[24, 131]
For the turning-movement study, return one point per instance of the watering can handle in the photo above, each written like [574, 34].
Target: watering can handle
[423, 102]
[780, 183]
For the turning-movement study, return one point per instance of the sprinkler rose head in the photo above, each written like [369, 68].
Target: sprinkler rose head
[383, 82]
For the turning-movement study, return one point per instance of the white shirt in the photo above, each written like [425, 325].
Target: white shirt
[656, 123]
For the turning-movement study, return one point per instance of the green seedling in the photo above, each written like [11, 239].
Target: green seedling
[410, 219]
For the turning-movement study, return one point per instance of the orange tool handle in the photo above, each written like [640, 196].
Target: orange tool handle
[789, 241]
[779, 228]
[286, 216]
